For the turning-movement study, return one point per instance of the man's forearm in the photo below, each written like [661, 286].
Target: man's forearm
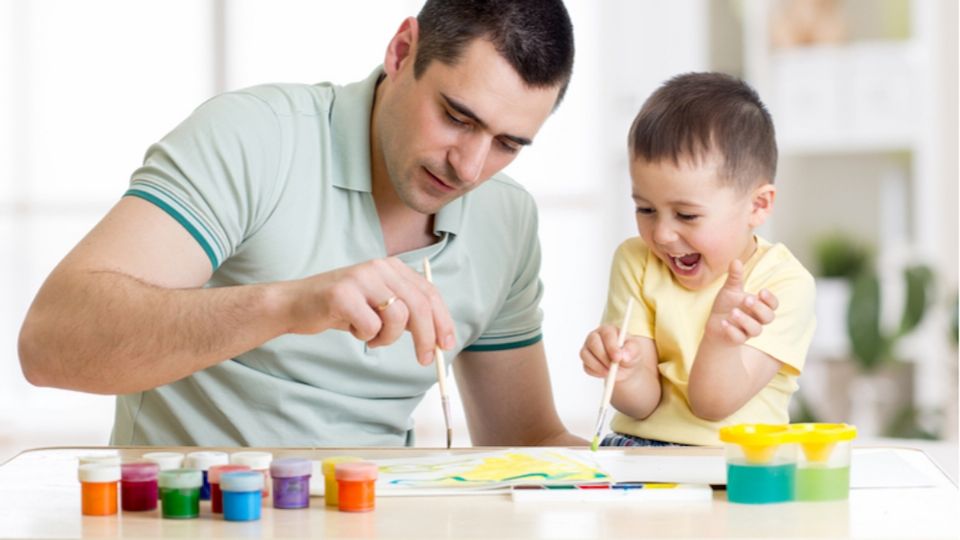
[107, 332]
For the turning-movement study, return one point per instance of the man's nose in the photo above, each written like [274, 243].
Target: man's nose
[469, 156]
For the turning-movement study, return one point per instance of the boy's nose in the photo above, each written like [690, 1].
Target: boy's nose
[469, 156]
[663, 233]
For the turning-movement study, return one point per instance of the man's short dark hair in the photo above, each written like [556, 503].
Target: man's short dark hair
[694, 114]
[534, 36]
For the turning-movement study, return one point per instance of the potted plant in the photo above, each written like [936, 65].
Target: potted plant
[881, 387]
[839, 258]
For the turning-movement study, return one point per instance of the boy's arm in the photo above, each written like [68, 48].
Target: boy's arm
[637, 390]
[638, 394]
[726, 373]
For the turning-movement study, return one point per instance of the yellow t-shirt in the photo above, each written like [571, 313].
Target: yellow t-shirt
[674, 317]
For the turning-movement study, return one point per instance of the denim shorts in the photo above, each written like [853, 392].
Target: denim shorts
[622, 439]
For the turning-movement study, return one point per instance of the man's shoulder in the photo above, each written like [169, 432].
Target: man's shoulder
[502, 187]
[288, 99]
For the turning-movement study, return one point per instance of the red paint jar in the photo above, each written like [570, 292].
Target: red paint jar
[138, 486]
[213, 476]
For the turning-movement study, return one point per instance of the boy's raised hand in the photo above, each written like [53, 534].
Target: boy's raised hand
[600, 349]
[736, 315]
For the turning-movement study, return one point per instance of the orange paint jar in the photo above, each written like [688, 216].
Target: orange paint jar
[355, 482]
[98, 489]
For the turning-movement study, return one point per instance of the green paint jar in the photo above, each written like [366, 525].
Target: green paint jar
[180, 493]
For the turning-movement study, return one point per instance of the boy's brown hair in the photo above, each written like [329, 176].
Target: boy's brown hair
[694, 114]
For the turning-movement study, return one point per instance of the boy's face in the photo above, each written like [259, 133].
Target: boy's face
[693, 222]
[447, 132]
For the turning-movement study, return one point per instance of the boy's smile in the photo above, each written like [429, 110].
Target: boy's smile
[692, 220]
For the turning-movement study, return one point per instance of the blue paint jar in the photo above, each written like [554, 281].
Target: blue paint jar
[241, 493]
[202, 461]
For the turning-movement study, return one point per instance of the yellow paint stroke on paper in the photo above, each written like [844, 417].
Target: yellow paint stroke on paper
[504, 468]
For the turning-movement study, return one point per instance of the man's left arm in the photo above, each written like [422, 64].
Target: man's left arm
[507, 398]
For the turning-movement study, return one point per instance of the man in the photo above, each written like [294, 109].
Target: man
[254, 285]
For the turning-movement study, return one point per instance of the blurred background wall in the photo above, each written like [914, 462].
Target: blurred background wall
[863, 93]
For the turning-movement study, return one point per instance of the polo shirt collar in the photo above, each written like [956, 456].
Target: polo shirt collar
[350, 131]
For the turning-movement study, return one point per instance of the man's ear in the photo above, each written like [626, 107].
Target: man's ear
[761, 204]
[402, 48]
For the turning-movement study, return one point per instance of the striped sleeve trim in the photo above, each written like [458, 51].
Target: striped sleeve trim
[186, 223]
[503, 345]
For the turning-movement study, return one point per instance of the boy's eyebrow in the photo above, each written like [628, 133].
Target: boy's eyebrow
[680, 202]
[465, 111]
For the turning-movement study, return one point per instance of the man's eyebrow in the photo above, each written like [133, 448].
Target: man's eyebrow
[465, 111]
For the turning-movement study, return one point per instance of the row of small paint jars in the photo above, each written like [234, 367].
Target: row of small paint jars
[780, 463]
[235, 485]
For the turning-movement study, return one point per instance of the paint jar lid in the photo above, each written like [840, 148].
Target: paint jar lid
[823, 433]
[205, 460]
[241, 481]
[98, 473]
[356, 471]
[166, 460]
[139, 471]
[255, 460]
[107, 459]
[292, 466]
[213, 475]
[181, 478]
[330, 464]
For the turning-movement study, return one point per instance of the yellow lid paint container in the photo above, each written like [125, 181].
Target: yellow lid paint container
[823, 462]
[761, 463]
[331, 492]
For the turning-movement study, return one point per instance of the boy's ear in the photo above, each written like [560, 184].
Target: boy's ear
[761, 204]
[401, 50]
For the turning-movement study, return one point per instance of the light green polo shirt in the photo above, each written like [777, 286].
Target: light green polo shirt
[274, 184]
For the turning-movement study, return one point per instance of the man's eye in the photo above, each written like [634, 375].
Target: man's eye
[644, 211]
[454, 120]
[508, 146]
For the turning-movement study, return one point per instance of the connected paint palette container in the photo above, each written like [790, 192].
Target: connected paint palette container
[823, 462]
[761, 463]
[779, 463]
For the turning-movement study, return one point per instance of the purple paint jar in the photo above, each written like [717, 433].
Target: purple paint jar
[291, 482]
[138, 486]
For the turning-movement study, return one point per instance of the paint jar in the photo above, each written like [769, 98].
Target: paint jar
[180, 493]
[138, 486]
[202, 461]
[241, 495]
[761, 463]
[356, 485]
[98, 488]
[328, 466]
[291, 482]
[167, 461]
[823, 462]
[216, 497]
[257, 461]
[105, 459]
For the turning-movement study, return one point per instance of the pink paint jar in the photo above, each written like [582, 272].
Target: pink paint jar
[138, 486]
[257, 461]
[213, 476]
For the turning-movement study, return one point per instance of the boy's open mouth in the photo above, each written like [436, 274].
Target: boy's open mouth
[686, 263]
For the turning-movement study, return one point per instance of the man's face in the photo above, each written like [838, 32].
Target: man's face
[456, 126]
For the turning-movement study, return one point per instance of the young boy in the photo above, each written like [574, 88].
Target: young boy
[722, 318]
